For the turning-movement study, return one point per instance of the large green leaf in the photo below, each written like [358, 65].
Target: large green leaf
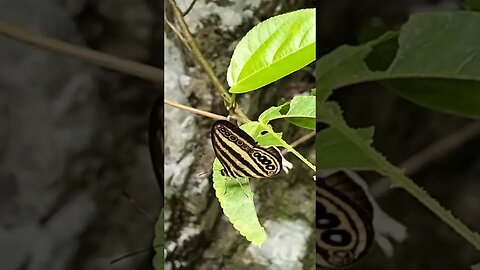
[300, 111]
[236, 199]
[272, 50]
[436, 64]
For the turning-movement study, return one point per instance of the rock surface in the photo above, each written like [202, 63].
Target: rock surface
[71, 136]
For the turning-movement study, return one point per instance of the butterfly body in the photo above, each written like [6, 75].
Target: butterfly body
[344, 222]
[240, 155]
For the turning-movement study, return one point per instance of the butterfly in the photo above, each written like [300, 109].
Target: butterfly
[240, 155]
[344, 222]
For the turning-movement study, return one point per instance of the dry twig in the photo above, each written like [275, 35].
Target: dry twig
[98, 58]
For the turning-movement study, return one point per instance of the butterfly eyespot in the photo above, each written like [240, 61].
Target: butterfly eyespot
[328, 221]
[261, 158]
[227, 133]
[270, 167]
[239, 142]
[267, 162]
[337, 237]
[233, 138]
[256, 154]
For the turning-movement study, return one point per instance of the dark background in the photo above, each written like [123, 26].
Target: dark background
[402, 129]
[73, 135]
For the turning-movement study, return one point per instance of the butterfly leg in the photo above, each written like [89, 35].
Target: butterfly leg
[241, 186]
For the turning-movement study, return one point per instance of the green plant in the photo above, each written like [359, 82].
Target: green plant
[432, 61]
[271, 50]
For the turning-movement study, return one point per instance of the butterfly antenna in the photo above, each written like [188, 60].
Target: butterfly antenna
[137, 206]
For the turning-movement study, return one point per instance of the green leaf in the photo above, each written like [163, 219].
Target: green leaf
[436, 64]
[270, 138]
[345, 66]
[338, 149]
[300, 111]
[236, 199]
[272, 50]
[158, 243]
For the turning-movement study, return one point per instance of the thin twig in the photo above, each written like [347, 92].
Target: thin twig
[299, 141]
[171, 26]
[440, 148]
[204, 63]
[197, 111]
[101, 59]
[434, 151]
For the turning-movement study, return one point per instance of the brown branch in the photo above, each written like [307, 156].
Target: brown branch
[171, 26]
[440, 148]
[434, 151]
[101, 59]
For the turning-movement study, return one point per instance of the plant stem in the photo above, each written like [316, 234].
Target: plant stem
[398, 177]
[434, 151]
[301, 140]
[204, 63]
[289, 147]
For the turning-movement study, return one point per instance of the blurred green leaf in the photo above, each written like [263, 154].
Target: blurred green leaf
[335, 148]
[158, 243]
[337, 151]
[472, 5]
[437, 64]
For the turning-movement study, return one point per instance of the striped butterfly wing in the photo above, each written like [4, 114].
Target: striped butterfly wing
[240, 155]
[344, 222]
